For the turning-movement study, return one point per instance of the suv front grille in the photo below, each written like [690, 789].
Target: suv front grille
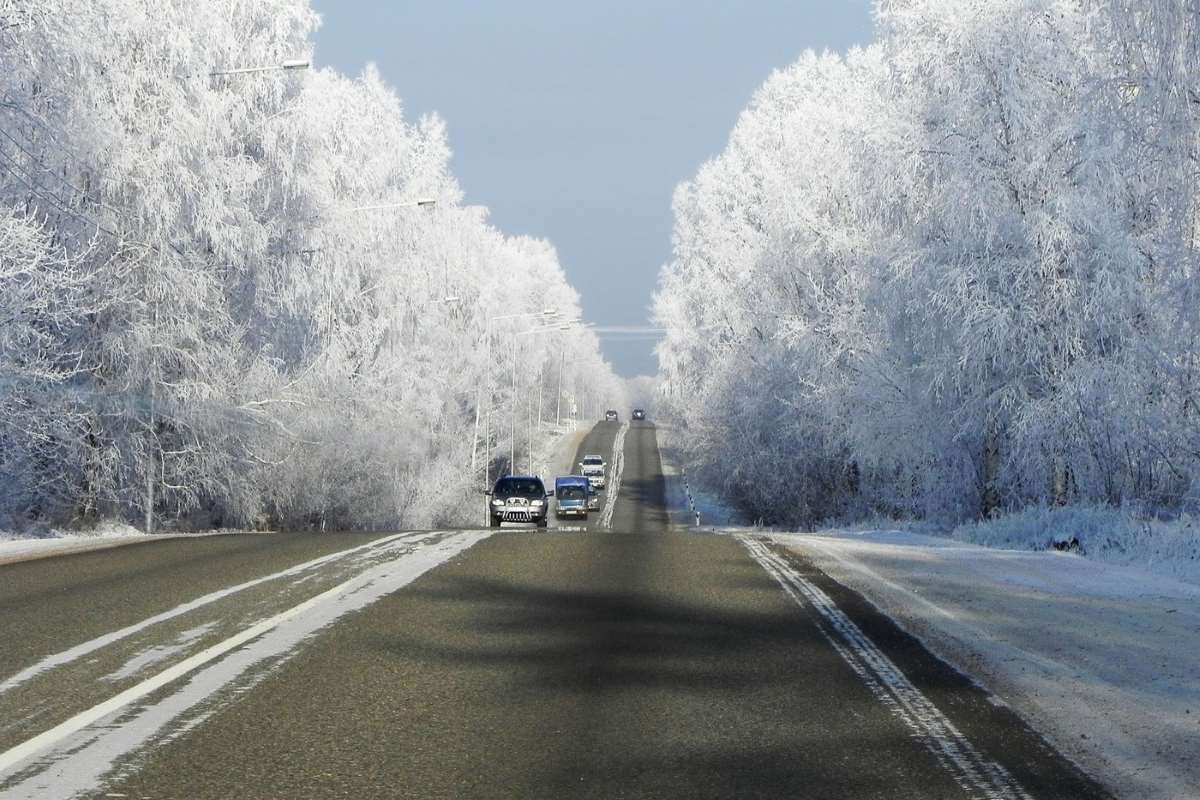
[516, 516]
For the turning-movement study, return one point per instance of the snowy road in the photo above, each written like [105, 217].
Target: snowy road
[633, 662]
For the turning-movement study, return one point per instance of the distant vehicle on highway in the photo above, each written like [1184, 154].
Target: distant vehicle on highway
[610, 416]
[571, 495]
[594, 468]
[519, 498]
[639, 413]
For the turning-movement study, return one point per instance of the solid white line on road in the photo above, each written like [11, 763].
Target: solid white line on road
[81, 650]
[90, 758]
[614, 487]
[981, 777]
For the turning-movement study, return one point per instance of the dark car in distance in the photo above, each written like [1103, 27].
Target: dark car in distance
[611, 416]
[639, 413]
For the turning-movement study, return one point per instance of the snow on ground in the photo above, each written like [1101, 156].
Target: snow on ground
[1115, 536]
[1101, 658]
[22, 546]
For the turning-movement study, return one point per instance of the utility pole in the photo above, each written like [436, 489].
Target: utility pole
[541, 394]
[562, 357]
[512, 417]
[484, 386]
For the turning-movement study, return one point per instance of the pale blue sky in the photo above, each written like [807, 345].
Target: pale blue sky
[574, 121]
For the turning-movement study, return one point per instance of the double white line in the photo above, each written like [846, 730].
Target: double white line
[981, 777]
[614, 485]
[86, 648]
[404, 557]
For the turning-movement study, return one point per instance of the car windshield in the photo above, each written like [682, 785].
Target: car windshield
[572, 493]
[593, 461]
[520, 486]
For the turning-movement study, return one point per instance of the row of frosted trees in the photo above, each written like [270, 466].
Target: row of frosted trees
[952, 273]
[219, 301]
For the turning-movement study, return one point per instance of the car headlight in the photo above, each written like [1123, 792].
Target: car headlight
[537, 503]
[497, 502]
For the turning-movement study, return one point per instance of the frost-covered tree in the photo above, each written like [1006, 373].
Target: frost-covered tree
[232, 310]
[952, 273]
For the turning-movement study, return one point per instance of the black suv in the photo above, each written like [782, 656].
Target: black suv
[518, 498]
[639, 413]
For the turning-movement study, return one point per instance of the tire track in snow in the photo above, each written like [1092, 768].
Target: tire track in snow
[979, 776]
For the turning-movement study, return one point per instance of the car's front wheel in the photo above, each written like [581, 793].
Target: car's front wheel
[541, 523]
[495, 522]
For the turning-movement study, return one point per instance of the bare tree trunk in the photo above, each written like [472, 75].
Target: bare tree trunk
[989, 496]
[1062, 482]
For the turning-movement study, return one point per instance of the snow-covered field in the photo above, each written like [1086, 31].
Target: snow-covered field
[1101, 658]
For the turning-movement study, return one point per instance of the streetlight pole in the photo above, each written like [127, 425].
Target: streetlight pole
[529, 406]
[562, 359]
[564, 326]
[512, 414]
[486, 389]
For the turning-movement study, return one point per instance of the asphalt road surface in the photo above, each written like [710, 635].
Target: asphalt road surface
[624, 662]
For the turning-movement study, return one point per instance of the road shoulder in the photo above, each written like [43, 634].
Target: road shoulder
[19, 549]
[1099, 659]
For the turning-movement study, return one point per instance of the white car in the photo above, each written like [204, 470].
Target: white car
[594, 469]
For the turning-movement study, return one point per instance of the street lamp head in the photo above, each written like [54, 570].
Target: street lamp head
[290, 64]
[423, 202]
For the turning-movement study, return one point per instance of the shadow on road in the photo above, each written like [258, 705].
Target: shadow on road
[660, 665]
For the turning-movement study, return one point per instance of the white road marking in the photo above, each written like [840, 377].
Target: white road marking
[981, 777]
[86, 648]
[614, 485]
[83, 751]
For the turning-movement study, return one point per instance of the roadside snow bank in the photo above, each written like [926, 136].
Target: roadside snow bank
[18, 546]
[22, 546]
[1113, 536]
[1098, 657]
